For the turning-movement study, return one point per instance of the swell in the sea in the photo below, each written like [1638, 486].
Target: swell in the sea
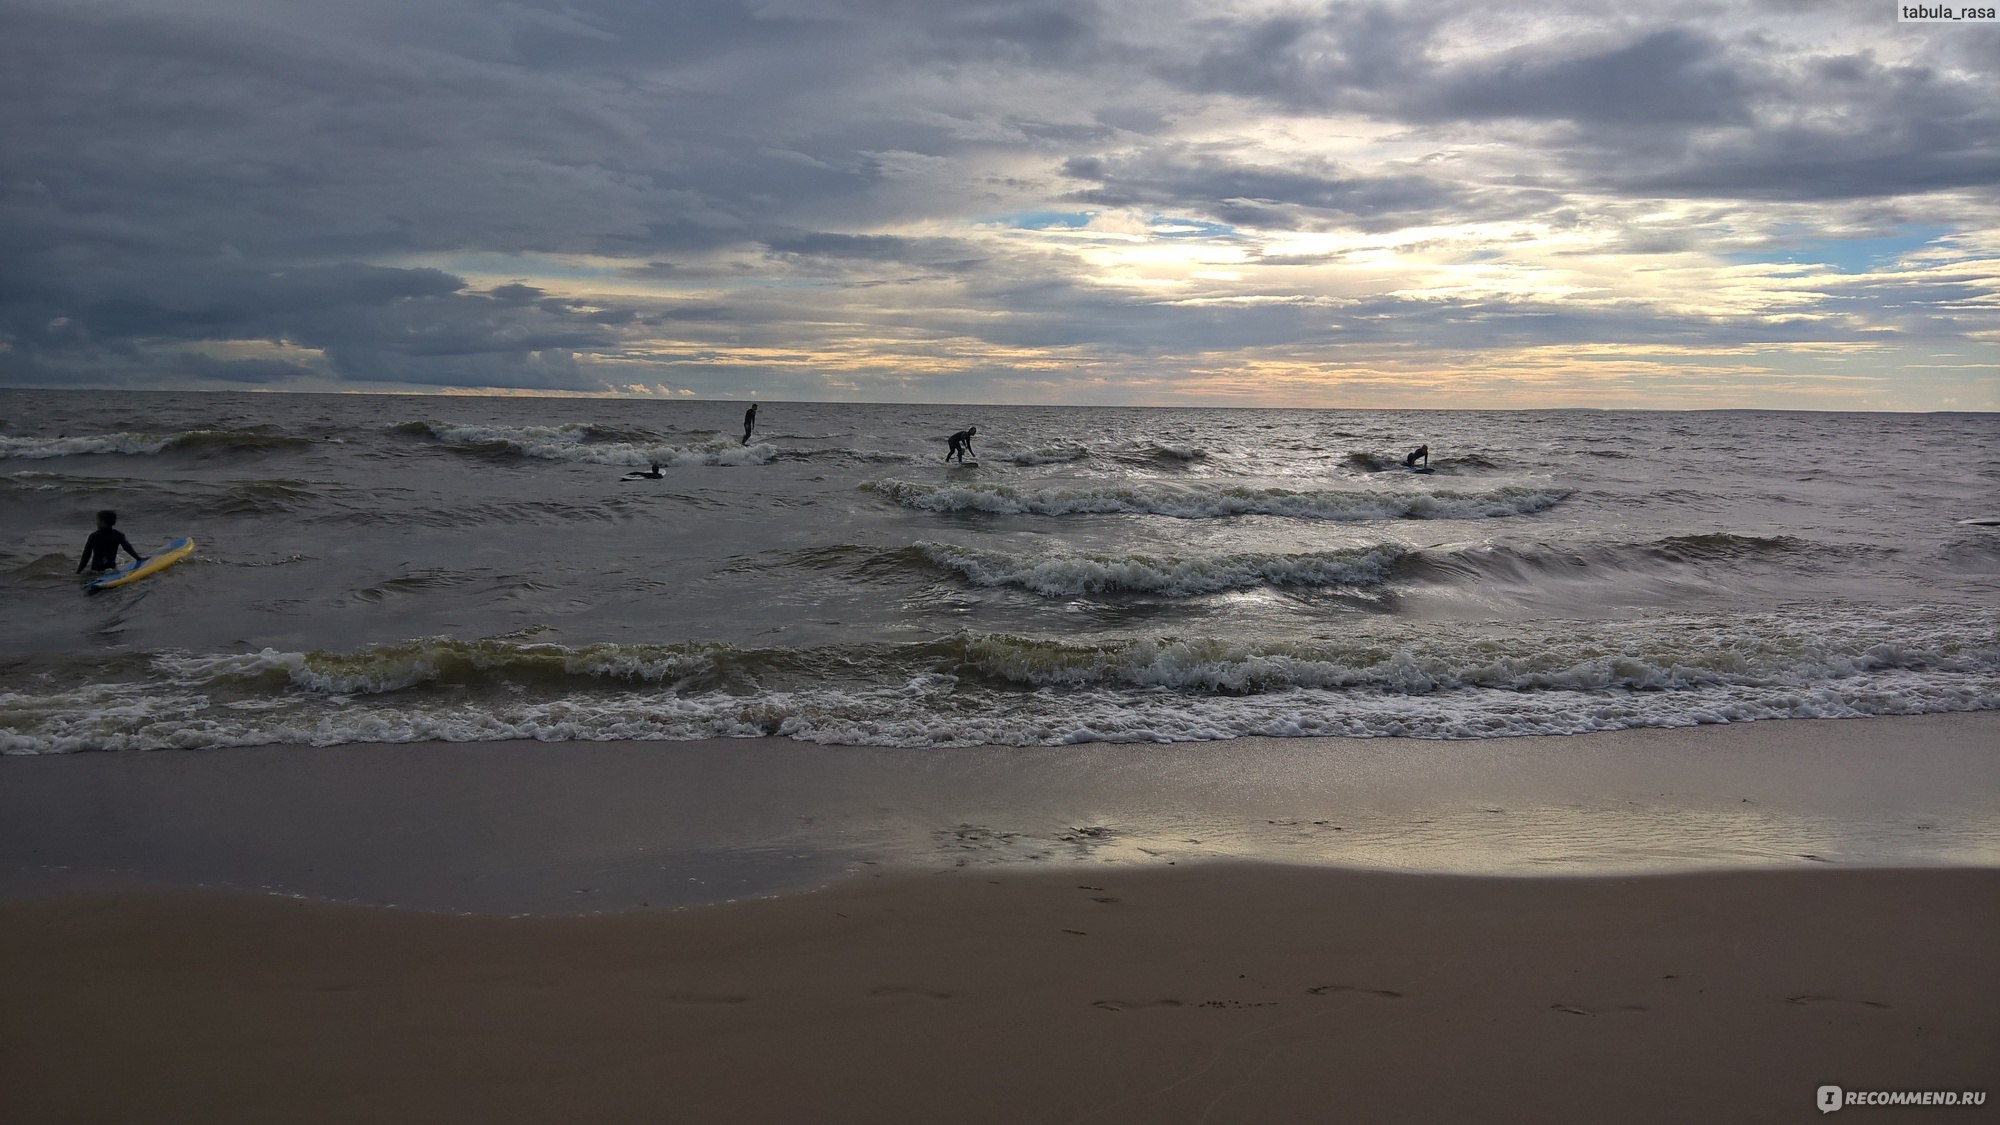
[1551, 677]
[187, 441]
[1214, 500]
[588, 444]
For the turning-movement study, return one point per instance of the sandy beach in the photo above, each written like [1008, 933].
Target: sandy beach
[1702, 924]
[1234, 993]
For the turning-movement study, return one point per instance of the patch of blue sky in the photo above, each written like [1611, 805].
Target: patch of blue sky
[1847, 255]
[1041, 220]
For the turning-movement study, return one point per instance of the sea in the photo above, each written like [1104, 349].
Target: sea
[392, 568]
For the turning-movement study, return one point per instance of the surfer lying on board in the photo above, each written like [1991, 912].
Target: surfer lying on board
[651, 474]
[749, 422]
[1420, 453]
[100, 551]
[960, 444]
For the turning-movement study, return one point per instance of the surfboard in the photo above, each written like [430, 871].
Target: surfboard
[965, 464]
[1981, 521]
[131, 572]
[1418, 468]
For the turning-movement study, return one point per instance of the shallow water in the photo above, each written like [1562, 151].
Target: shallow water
[399, 568]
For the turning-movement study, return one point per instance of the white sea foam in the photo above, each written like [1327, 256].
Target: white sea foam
[1069, 575]
[1048, 455]
[928, 714]
[36, 448]
[1206, 500]
[1436, 682]
[141, 444]
[392, 668]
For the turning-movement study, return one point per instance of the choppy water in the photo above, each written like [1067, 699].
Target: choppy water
[395, 568]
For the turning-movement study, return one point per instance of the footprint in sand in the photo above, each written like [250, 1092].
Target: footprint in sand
[1876, 1004]
[1589, 1010]
[1384, 993]
[1133, 1005]
[905, 990]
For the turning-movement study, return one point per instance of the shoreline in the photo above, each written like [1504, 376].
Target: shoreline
[579, 828]
[1232, 992]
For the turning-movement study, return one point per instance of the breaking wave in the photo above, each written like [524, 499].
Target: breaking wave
[246, 441]
[586, 443]
[1073, 575]
[1209, 501]
[1435, 681]
[1049, 455]
[1171, 455]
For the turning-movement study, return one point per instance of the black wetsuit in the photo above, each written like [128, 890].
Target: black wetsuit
[960, 444]
[1422, 451]
[749, 423]
[100, 551]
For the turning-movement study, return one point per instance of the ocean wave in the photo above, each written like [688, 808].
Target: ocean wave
[441, 661]
[586, 443]
[1529, 563]
[1047, 455]
[1209, 501]
[1016, 690]
[1655, 655]
[1075, 574]
[862, 456]
[181, 497]
[1173, 455]
[1071, 574]
[141, 444]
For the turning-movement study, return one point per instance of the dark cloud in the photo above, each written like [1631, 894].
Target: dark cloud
[1852, 129]
[468, 193]
[1671, 77]
[1346, 56]
[1281, 197]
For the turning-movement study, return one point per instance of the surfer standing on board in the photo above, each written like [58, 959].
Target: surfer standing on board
[100, 551]
[960, 444]
[749, 422]
[1420, 453]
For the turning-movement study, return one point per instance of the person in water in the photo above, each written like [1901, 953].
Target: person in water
[960, 444]
[749, 422]
[1420, 453]
[100, 551]
[652, 474]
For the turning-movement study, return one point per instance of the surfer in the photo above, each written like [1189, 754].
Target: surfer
[652, 474]
[960, 444]
[100, 551]
[1420, 453]
[749, 422]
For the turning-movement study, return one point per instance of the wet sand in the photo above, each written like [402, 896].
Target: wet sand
[1703, 924]
[1222, 993]
[512, 827]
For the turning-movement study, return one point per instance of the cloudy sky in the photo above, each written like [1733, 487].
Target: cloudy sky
[1785, 203]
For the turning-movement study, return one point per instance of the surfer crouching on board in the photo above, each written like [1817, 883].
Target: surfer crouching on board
[100, 551]
[749, 422]
[1420, 453]
[960, 444]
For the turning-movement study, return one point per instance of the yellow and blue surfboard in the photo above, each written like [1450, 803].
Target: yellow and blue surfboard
[156, 562]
